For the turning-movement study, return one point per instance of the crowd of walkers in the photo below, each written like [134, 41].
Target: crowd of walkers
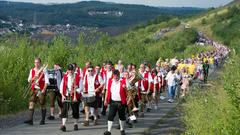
[110, 89]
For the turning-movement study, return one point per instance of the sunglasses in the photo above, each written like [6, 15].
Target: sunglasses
[90, 70]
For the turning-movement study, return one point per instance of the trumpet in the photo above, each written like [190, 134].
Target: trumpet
[35, 81]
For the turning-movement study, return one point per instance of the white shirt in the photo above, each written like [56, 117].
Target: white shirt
[150, 79]
[91, 88]
[171, 79]
[115, 91]
[69, 85]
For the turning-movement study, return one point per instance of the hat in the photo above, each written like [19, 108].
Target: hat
[70, 67]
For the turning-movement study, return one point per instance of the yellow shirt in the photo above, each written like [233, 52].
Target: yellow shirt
[191, 69]
[205, 59]
[181, 66]
[211, 60]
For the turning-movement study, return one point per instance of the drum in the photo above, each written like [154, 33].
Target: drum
[88, 99]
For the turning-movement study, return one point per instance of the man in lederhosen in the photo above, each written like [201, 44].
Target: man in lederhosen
[70, 88]
[144, 88]
[55, 78]
[39, 82]
[92, 84]
[116, 97]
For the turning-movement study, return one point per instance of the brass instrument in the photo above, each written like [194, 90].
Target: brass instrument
[134, 78]
[27, 89]
[74, 89]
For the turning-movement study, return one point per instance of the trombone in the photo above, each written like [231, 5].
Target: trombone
[27, 88]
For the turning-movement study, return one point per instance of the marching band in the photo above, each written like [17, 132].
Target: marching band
[114, 89]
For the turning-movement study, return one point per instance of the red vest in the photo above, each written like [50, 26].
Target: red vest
[158, 84]
[96, 83]
[145, 81]
[41, 80]
[122, 91]
[152, 84]
[65, 80]
[103, 71]
[78, 71]
[145, 85]
[84, 71]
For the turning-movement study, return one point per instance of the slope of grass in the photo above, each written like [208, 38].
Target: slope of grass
[216, 110]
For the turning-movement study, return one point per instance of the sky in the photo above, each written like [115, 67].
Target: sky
[157, 3]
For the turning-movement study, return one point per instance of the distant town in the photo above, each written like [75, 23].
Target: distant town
[34, 30]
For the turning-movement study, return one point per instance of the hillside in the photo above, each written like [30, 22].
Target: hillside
[92, 14]
[233, 2]
[215, 109]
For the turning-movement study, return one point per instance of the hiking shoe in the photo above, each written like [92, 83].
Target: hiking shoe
[122, 132]
[42, 122]
[130, 125]
[148, 109]
[95, 123]
[107, 133]
[91, 118]
[82, 111]
[75, 127]
[51, 117]
[85, 123]
[63, 128]
[29, 122]
[170, 100]
[162, 97]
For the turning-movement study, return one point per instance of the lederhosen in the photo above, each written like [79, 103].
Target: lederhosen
[36, 94]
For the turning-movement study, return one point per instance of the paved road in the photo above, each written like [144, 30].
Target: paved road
[52, 127]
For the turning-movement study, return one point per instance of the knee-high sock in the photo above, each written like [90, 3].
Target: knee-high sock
[75, 121]
[31, 112]
[121, 123]
[91, 111]
[44, 111]
[64, 121]
[110, 125]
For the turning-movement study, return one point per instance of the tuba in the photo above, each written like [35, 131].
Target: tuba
[135, 77]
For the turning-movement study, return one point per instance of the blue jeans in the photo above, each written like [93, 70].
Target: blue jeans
[171, 91]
